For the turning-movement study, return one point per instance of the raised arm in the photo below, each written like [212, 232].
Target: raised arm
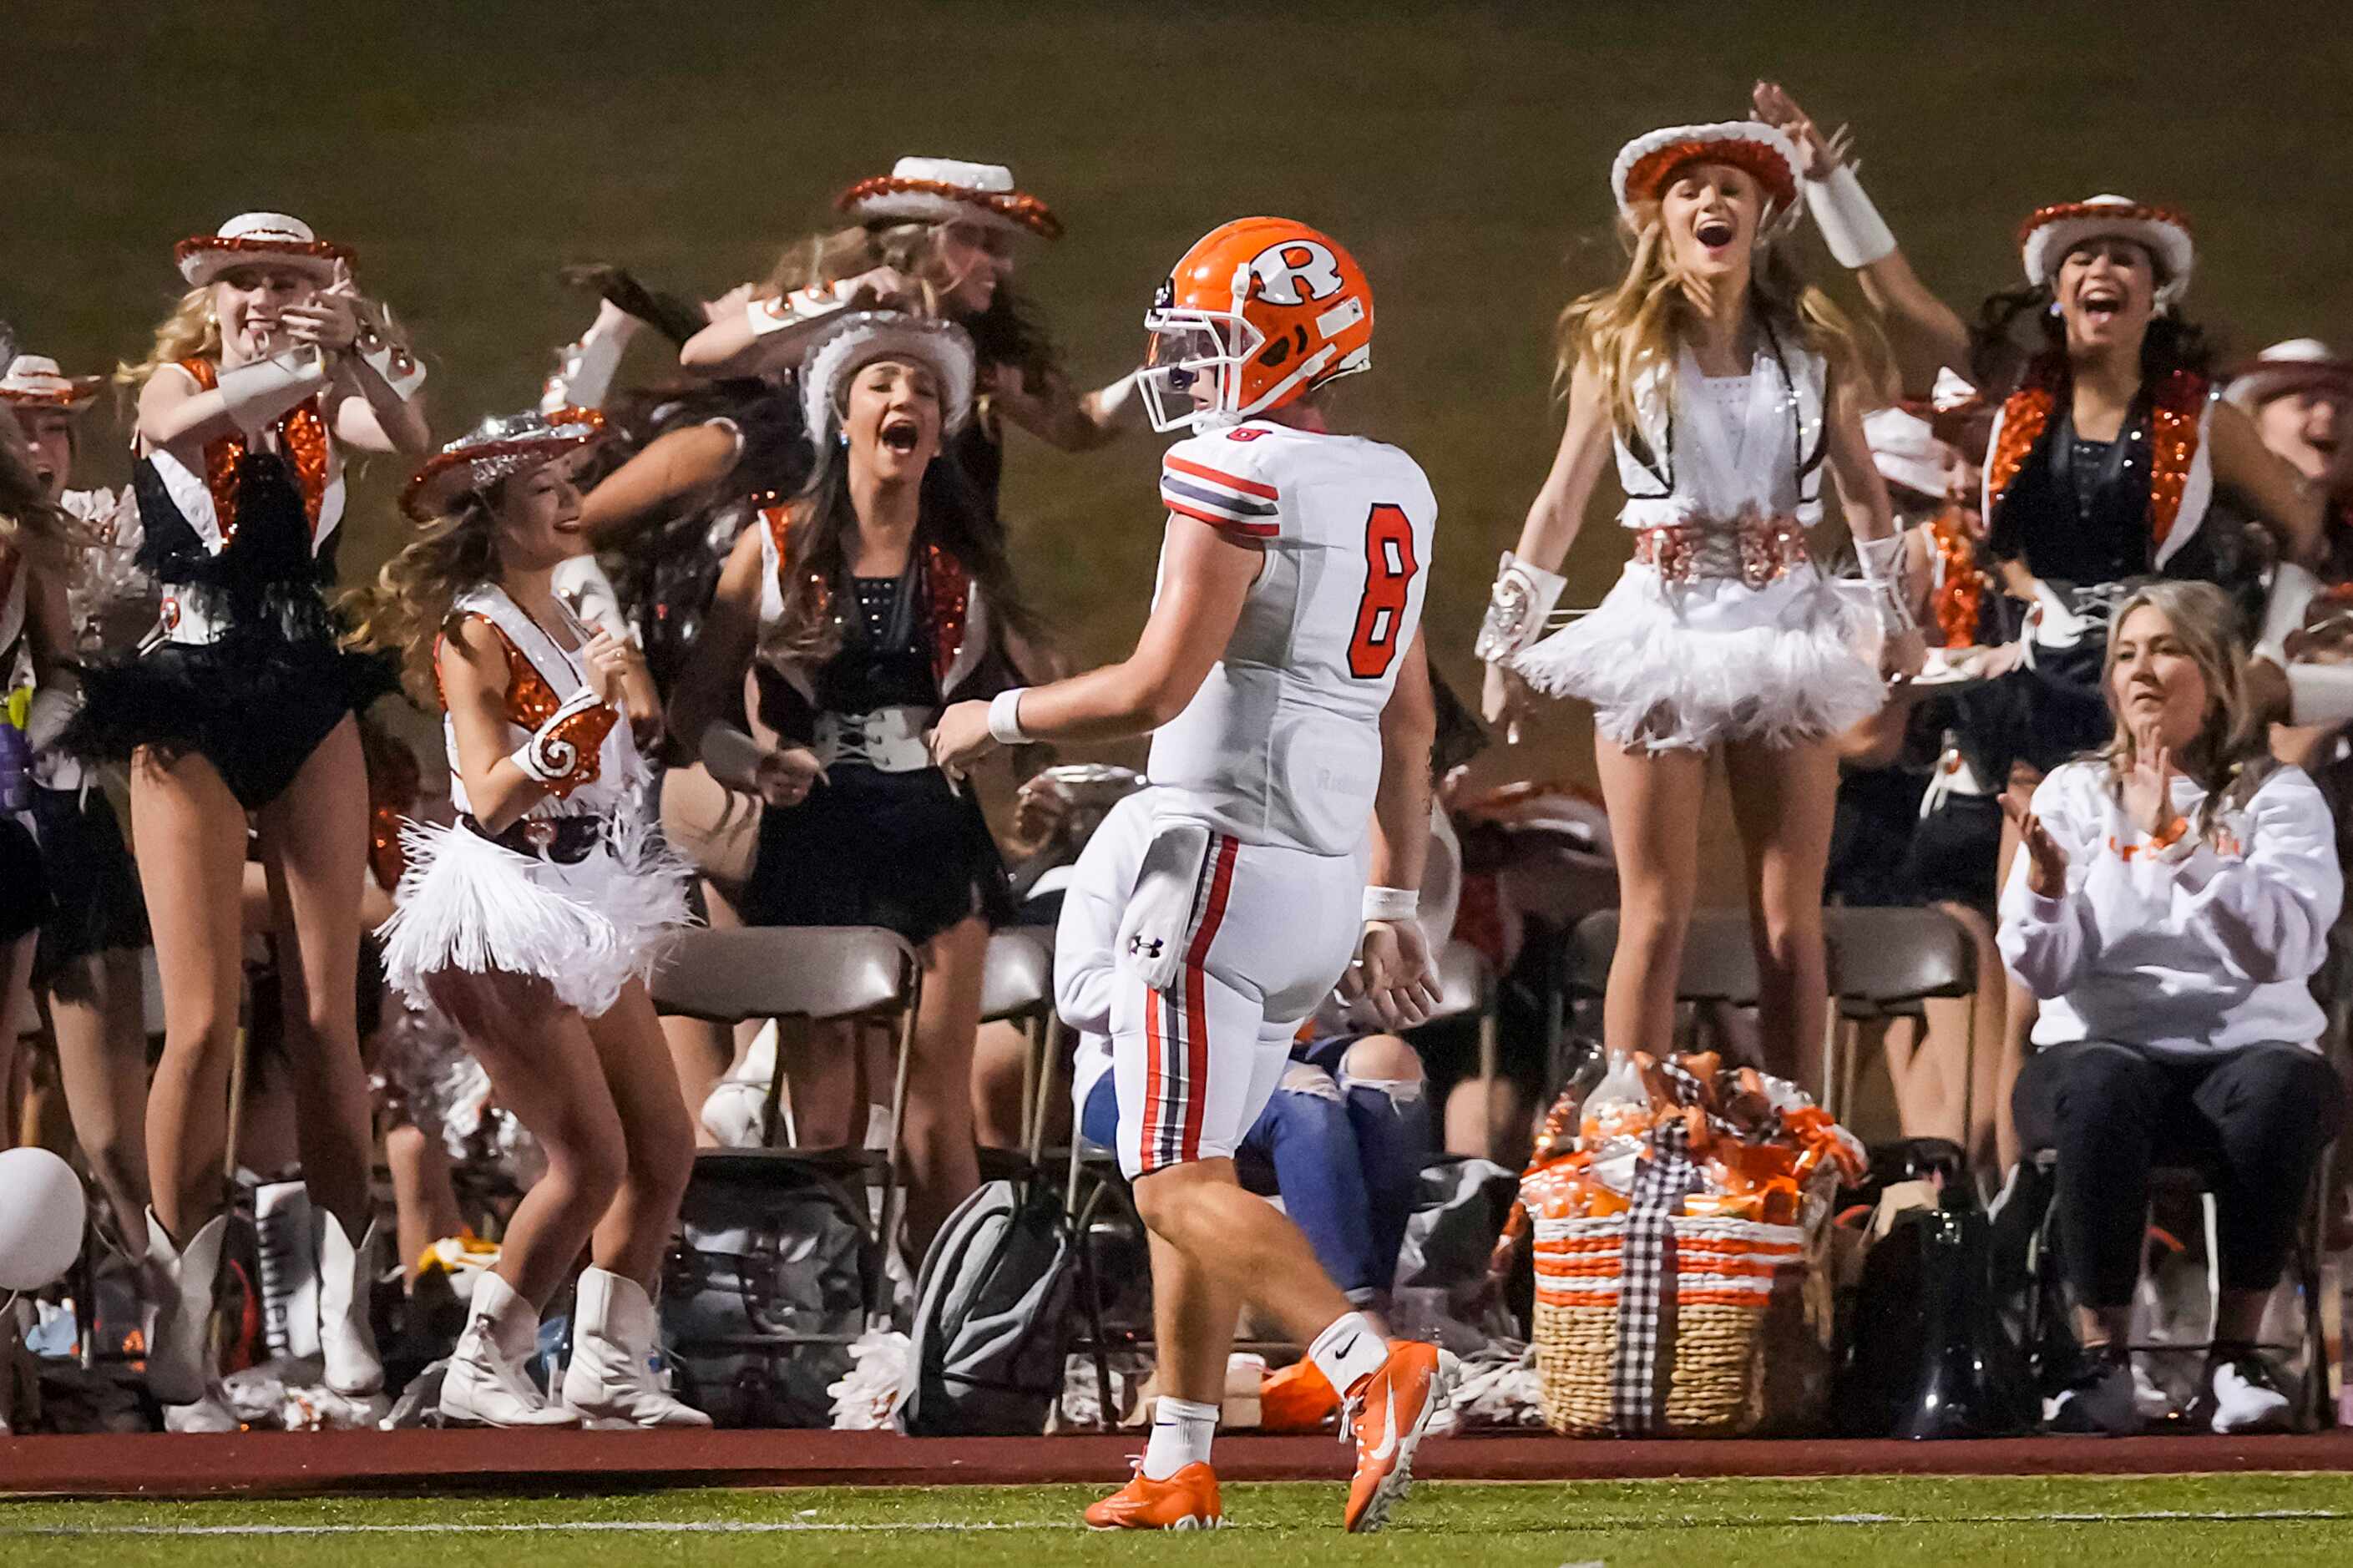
[753, 333]
[674, 464]
[1922, 329]
[2269, 483]
[1056, 415]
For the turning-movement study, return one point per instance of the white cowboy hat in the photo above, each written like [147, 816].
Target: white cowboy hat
[945, 190]
[861, 338]
[500, 446]
[250, 238]
[1643, 165]
[35, 380]
[2050, 233]
[2282, 368]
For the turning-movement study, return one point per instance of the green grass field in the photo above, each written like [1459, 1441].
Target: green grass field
[1883, 1522]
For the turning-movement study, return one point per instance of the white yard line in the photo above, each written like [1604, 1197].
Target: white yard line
[806, 1526]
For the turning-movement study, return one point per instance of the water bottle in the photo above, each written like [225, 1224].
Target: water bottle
[16, 752]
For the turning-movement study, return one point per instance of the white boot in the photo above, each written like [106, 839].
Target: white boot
[486, 1385]
[609, 1381]
[179, 1355]
[346, 1338]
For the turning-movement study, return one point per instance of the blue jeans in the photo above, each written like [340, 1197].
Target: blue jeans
[1346, 1159]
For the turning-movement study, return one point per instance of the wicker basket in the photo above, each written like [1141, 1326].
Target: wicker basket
[1736, 1354]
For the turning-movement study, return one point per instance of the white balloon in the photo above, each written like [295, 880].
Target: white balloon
[41, 1214]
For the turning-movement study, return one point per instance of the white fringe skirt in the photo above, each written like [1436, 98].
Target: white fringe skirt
[1690, 666]
[586, 928]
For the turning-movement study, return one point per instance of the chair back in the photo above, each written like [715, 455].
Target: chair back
[1896, 957]
[817, 973]
[1017, 975]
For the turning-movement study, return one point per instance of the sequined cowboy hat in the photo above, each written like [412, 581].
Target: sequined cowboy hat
[1645, 164]
[254, 238]
[862, 337]
[944, 190]
[2295, 365]
[34, 381]
[501, 445]
[2050, 233]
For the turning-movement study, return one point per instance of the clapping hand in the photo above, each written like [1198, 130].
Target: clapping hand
[2046, 867]
[2147, 791]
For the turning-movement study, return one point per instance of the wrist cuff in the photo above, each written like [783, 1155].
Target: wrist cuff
[1005, 718]
[1857, 235]
[1391, 903]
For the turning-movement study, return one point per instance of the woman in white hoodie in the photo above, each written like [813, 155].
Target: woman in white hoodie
[2171, 907]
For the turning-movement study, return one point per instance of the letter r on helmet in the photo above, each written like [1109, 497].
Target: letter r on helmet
[1295, 272]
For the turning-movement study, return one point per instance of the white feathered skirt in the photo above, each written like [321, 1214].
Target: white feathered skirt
[1689, 666]
[586, 928]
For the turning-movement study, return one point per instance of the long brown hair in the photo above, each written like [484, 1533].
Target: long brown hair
[31, 524]
[818, 540]
[1618, 331]
[408, 606]
[2231, 755]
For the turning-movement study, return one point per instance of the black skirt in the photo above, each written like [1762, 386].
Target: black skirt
[24, 899]
[94, 884]
[254, 705]
[902, 851]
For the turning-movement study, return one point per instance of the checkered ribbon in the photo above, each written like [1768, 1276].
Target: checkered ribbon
[1647, 1271]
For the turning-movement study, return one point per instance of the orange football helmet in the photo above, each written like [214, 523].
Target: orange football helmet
[1265, 308]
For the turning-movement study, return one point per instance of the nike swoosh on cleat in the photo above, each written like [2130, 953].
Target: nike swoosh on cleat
[1387, 1445]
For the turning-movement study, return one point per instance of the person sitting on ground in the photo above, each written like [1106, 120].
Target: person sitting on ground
[1348, 1127]
[2173, 902]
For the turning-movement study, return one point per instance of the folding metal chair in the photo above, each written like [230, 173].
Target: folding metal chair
[1884, 964]
[1017, 987]
[804, 976]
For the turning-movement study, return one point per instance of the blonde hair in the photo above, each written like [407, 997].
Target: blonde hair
[910, 249]
[407, 609]
[1618, 331]
[2231, 755]
[190, 331]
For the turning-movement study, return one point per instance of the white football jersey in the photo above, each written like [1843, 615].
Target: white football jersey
[1281, 745]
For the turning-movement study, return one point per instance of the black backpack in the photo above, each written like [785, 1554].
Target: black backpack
[768, 1283]
[993, 1316]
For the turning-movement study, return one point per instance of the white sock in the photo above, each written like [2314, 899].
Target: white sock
[1181, 1431]
[1348, 1352]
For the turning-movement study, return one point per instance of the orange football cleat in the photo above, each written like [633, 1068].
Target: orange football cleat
[1386, 1414]
[1186, 1500]
[1298, 1398]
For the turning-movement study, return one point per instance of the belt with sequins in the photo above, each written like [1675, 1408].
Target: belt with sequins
[1756, 551]
[564, 840]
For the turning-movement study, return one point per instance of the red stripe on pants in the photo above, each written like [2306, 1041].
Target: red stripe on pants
[1197, 1005]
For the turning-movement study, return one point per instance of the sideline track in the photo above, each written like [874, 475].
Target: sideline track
[310, 1464]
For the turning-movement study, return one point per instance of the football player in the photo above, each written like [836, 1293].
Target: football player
[1283, 677]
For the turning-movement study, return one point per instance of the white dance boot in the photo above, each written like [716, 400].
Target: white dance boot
[609, 1381]
[487, 1384]
[346, 1338]
[180, 1370]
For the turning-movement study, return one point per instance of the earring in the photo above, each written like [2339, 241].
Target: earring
[841, 438]
[2056, 310]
